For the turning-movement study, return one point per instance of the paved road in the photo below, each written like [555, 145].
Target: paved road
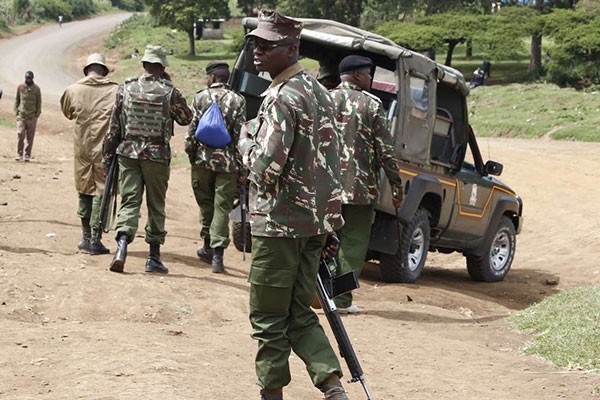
[51, 53]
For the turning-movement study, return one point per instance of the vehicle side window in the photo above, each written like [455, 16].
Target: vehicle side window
[442, 140]
[419, 91]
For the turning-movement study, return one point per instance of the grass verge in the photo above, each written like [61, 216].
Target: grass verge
[566, 328]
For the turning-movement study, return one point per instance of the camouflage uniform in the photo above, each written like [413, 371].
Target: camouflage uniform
[366, 145]
[214, 170]
[144, 152]
[295, 200]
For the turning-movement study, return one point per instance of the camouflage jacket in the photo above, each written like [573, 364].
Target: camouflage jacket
[117, 141]
[366, 144]
[28, 101]
[292, 156]
[233, 107]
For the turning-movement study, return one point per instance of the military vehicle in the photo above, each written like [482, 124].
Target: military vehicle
[451, 202]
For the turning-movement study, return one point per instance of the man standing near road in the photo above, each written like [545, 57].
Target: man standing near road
[89, 102]
[28, 107]
[291, 151]
[215, 170]
[366, 145]
[141, 127]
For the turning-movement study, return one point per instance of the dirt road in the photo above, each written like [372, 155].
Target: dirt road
[72, 329]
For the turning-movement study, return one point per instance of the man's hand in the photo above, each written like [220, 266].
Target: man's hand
[397, 196]
[332, 245]
[242, 177]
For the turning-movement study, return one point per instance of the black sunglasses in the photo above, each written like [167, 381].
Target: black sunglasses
[266, 46]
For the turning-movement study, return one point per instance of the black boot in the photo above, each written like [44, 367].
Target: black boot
[96, 246]
[217, 260]
[205, 253]
[264, 395]
[334, 391]
[86, 235]
[153, 263]
[118, 261]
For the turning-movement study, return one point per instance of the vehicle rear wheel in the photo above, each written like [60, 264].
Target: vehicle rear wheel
[407, 264]
[237, 236]
[497, 259]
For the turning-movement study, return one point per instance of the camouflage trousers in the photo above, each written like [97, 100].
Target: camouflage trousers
[214, 192]
[354, 242]
[89, 208]
[135, 176]
[283, 278]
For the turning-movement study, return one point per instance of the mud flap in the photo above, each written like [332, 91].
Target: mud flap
[384, 234]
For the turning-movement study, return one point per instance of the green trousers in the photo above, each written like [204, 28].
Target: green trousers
[135, 176]
[89, 208]
[354, 242]
[214, 192]
[283, 277]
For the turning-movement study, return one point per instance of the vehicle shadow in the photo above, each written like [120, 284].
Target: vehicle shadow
[520, 289]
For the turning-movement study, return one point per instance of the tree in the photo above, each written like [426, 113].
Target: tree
[182, 14]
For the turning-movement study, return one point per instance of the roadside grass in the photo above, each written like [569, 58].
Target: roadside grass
[7, 123]
[535, 110]
[566, 328]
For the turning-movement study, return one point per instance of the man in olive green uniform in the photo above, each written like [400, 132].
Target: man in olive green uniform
[28, 107]
[215, 170]
[291, 151]
[366, 145]
[89, 102]
[141, 127]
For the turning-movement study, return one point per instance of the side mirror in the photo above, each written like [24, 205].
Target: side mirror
[492, 168]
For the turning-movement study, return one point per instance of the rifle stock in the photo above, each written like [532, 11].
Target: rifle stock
[324, 291]
[108, 206]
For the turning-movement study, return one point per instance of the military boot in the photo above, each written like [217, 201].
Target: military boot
[264, 395]
[205, 253]
[118, 261]
[96, 246]
[153, 263]
[217, 260]
[86, 235]
[334, 391]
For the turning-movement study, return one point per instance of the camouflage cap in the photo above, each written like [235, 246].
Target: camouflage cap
[155, 55]
[95, 58]
[354, 63]
[274, 27]
[215, 65]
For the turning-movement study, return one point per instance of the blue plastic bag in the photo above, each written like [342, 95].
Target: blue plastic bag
[211, 129]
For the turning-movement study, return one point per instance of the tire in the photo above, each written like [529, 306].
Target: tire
[498, 256]
[237, 236]
[407, 264]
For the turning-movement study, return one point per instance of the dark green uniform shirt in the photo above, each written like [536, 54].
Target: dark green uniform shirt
[28, 101]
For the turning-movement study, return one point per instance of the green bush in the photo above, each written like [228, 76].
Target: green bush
[129, 5]
[51, 9]
[81, 8]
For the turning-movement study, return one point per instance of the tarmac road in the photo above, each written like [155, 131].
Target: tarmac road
[51, 53]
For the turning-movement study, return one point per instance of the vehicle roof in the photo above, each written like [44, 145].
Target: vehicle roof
[328, 32]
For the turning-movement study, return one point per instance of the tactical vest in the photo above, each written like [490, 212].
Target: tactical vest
[146, 109]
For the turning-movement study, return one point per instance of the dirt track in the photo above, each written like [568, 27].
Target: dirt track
[71, 329]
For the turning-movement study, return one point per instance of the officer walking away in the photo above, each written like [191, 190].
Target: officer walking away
[215, 170]
[28, 107]
[329, 76]
[89, 102]
[141, 127]
[291, 151]
[366, 145]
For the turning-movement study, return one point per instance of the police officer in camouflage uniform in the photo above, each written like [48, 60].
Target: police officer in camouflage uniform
[291, 151]
[141, 127]
[215, 170]
[366, 145]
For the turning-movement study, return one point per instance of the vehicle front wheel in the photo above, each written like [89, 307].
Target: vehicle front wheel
[498, 256]
[237, 234]
[407, 264]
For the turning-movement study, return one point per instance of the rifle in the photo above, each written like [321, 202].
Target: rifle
[329, 287]
[108, 206]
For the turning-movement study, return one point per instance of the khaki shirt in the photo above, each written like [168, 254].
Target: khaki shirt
[28, 101]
